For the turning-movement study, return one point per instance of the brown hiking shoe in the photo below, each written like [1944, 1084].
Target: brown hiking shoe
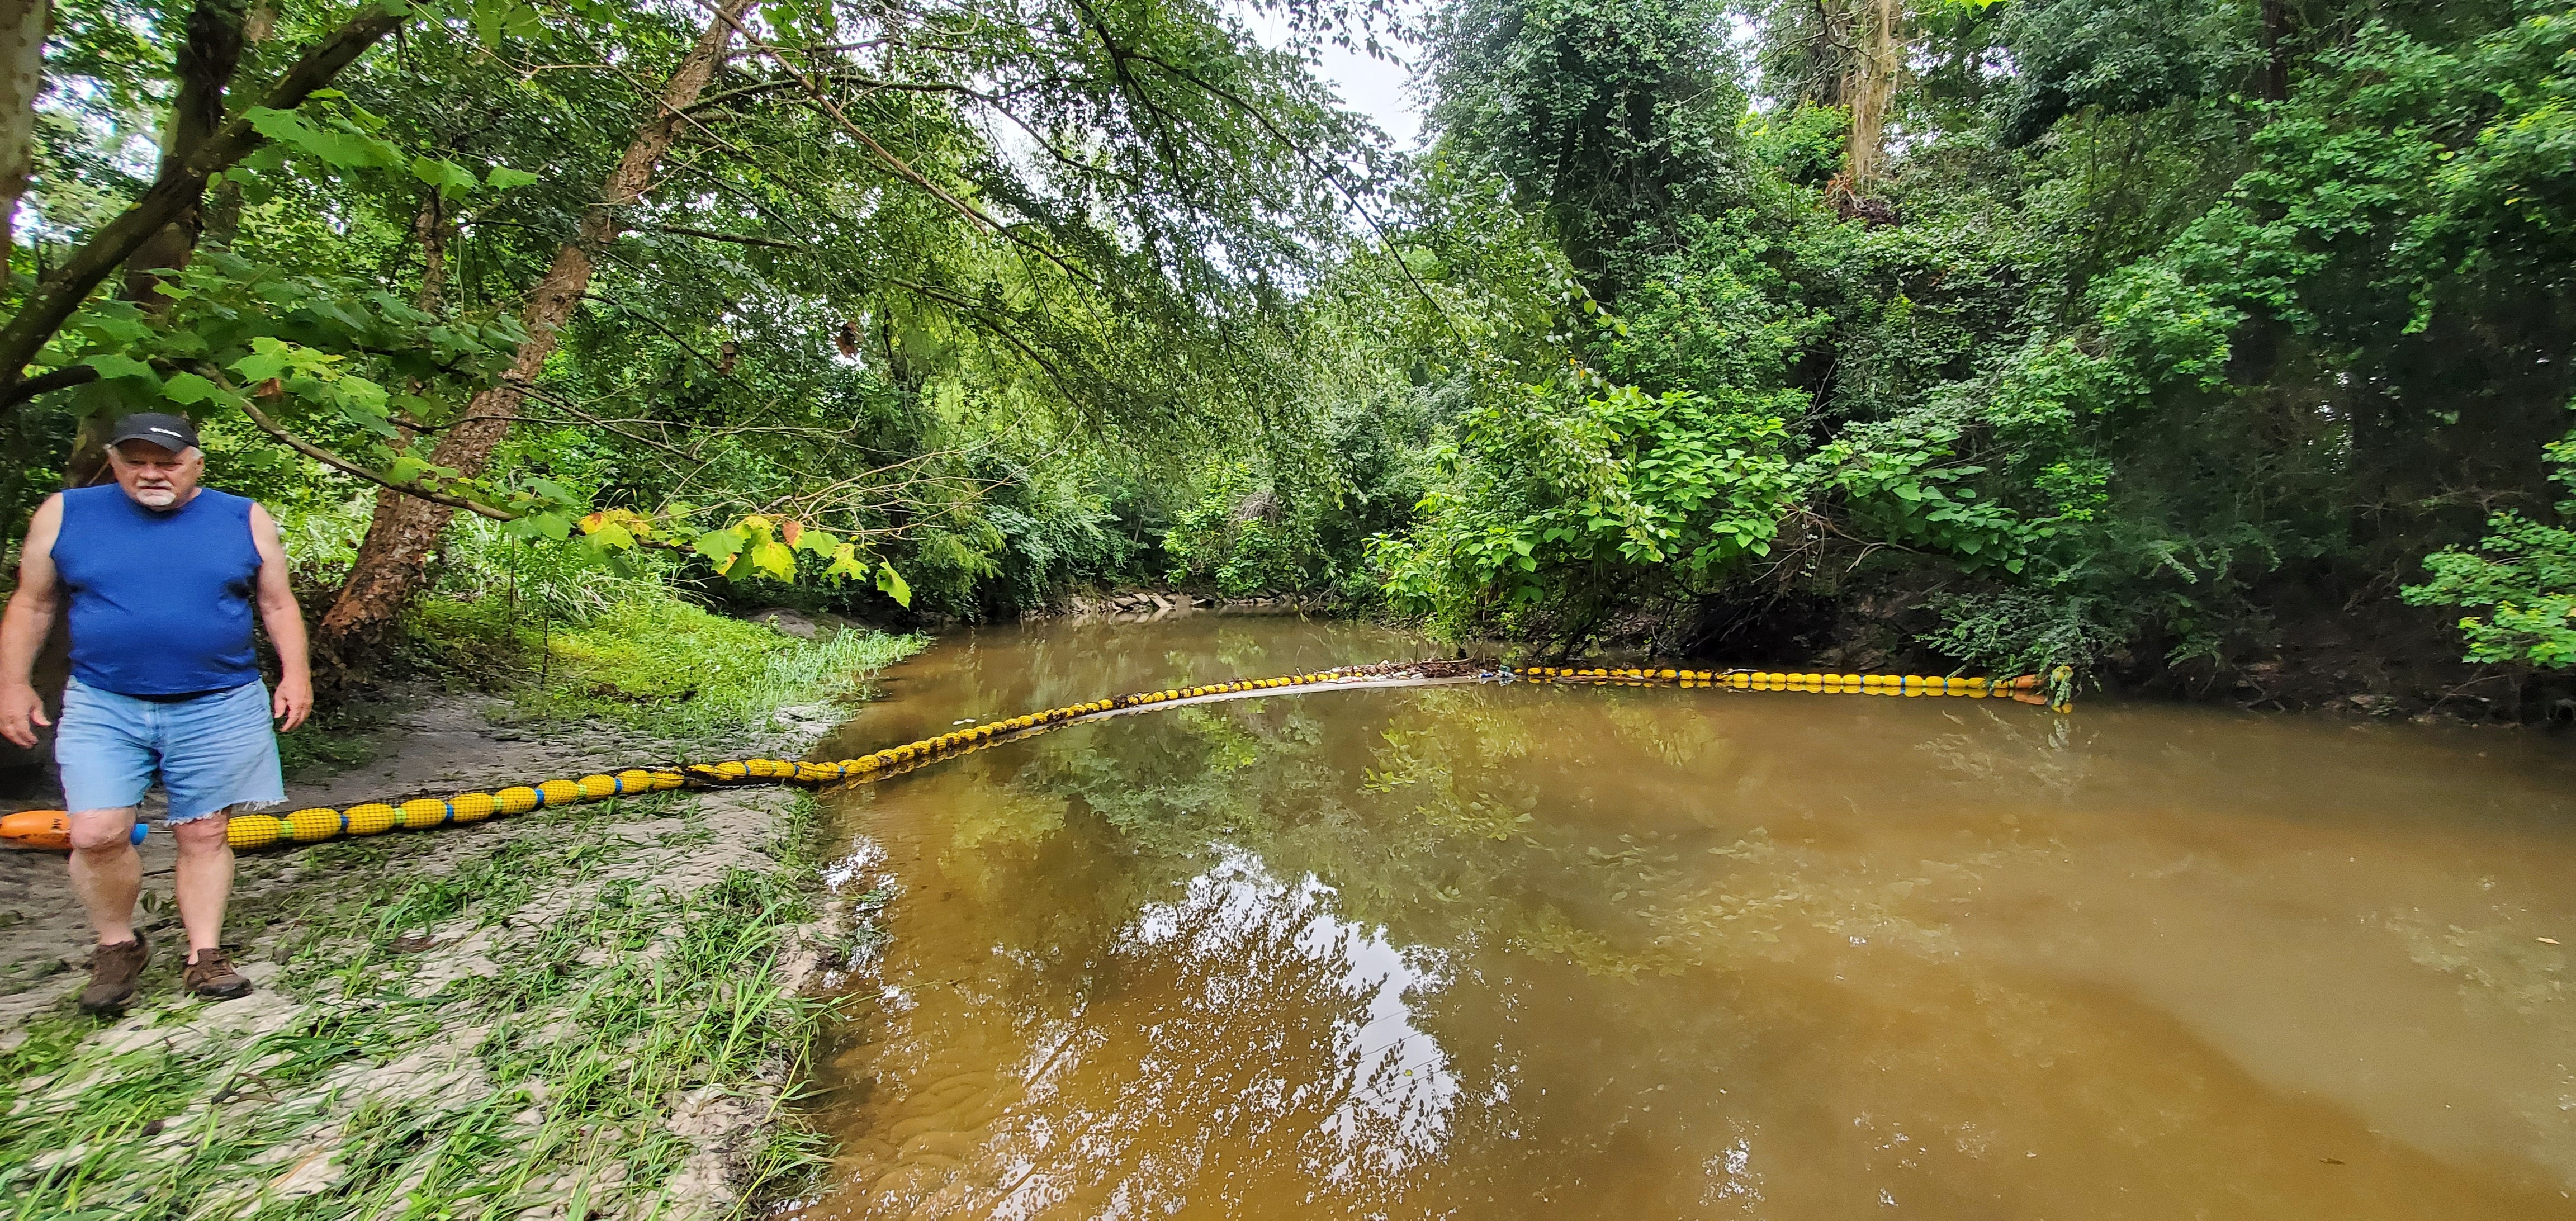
[112, 972]
[212, 976]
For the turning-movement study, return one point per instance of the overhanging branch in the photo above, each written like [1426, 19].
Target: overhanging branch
[60, 379]
[902, 169]
[59, 295]
[346, 467]
[739, 239]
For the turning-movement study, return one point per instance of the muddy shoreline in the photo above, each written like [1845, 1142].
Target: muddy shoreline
[465, 983]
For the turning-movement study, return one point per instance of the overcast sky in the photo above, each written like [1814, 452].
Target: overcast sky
[1373, 87]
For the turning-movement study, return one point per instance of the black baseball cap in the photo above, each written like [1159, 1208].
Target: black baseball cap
[170, 432]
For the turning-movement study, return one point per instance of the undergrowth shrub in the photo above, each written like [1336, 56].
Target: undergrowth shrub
[1243, 537]
[2522, 575]
[2025, 631]
[566, 639]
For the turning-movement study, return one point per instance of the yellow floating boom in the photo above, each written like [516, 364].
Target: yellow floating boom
[374, 818]
[2027, 689]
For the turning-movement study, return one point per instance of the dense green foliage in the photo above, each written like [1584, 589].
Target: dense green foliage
[2165, 337]
[2526, 572]
[2124, 364]
[941, 293]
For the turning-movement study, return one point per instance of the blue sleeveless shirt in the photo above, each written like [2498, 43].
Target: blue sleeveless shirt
[161, 600]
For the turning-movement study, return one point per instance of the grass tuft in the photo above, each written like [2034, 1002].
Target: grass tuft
[653, 663]
[609, 1001]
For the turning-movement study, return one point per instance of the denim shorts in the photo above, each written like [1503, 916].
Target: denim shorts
[213, 752]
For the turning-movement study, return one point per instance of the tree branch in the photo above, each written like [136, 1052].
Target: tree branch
[344, 466]
[59, 295]
[902, 169]
[60, 379]
[737, 238]
[772, 86]
[1262, 118]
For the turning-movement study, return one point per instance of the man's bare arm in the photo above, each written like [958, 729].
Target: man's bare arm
[284, 620]
[29, 619]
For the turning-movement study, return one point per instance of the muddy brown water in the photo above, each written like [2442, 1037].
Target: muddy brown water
[1539, 952]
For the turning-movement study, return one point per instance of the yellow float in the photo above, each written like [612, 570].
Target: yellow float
[49, 828]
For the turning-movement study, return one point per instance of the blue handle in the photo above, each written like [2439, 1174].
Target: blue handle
[139, 832]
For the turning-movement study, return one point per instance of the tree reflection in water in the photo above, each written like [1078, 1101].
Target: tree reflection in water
[1520, 951]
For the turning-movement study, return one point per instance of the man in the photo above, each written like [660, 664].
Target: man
[162, 576]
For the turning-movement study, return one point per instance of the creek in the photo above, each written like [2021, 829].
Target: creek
[1525, 951]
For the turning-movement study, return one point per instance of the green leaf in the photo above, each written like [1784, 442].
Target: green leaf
[407, 468]
[270, 358]
[720, 545]
[818, 542]
[845, 564]
[503, 178]
[775, 558]
[452, 180]
[350, 149]
[365, 397]
[113, 328]
[891, 582]
[188, 388]
[112, 366]
[278, 125]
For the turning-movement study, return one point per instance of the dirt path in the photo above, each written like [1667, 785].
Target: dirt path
[590, 1010]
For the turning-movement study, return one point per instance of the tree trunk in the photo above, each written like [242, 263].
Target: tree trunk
[22, 76]
[206, 63]
[393, 560]
[1828, 55]
[2276, 50]
[432, 227]
[223, 209]
[1876, 61]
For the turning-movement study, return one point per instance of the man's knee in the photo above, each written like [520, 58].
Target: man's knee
[206, 834]
[102, 833]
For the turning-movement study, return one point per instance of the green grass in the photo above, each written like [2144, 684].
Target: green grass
[566, 638]
[650, 661]
[584, 1033]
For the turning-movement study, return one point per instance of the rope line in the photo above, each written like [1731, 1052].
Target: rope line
[50, 828]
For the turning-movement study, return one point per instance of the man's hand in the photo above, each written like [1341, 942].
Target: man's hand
[285, 623]
[292, 703]
[21, 711]
[24, 625]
